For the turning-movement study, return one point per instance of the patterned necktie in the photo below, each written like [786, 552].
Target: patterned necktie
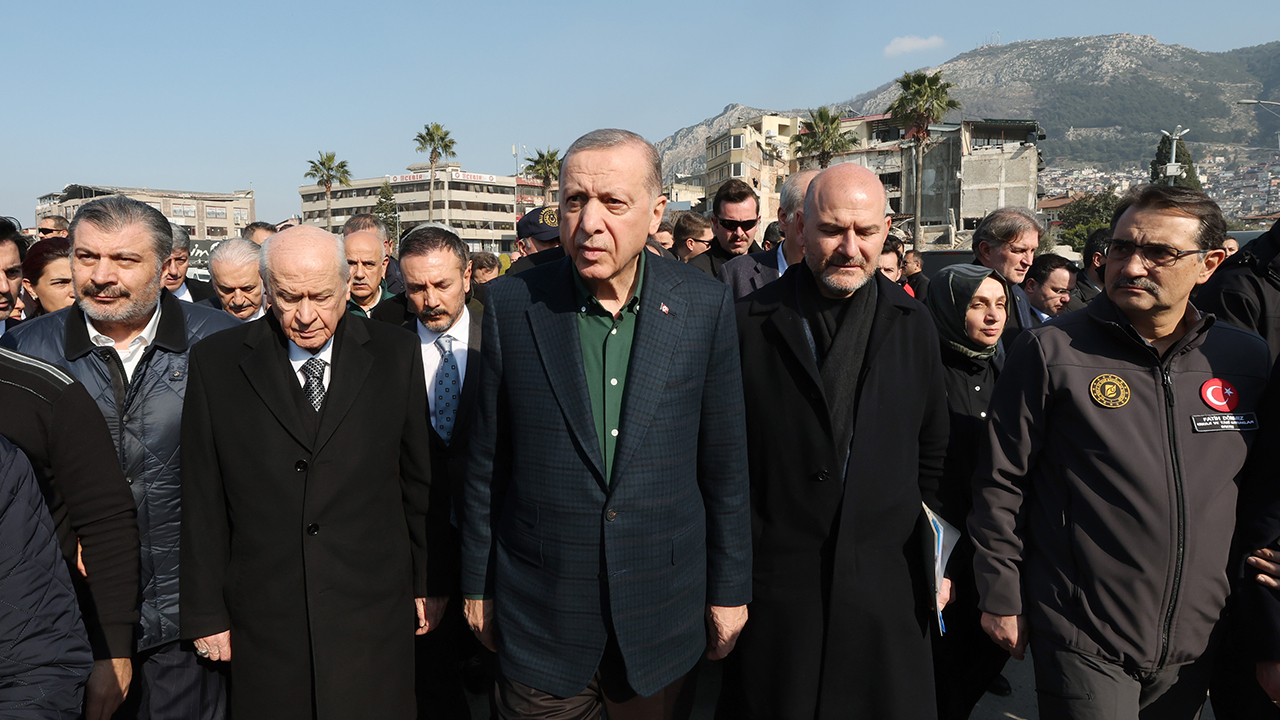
[446, 389]
[314, 387]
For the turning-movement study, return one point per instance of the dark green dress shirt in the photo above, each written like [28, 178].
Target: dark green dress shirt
[606, 353]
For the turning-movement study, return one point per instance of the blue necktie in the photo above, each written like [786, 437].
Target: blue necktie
[446, 389]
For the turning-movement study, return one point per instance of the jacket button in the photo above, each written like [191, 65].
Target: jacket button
[823, 476]
[128, 479]
[611, 515]
[300, 466]
[125, 418]
[313, 529]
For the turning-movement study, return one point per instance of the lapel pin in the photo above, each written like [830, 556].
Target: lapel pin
[665, 310]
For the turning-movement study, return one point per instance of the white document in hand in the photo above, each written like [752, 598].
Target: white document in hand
[945, 537]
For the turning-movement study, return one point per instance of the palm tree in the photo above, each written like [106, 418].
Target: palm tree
[434, 139]
[925, 99]
[821, 136]
[544, 165]
[326, 171]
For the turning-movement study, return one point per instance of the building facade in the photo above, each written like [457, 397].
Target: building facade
[204, 215]
[482, 209]
[758, 152]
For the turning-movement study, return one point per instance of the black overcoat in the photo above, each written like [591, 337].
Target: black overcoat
[305, 535]
[839, 622]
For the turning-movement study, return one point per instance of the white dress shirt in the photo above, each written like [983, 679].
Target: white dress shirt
[460, 332]
[137, 346]
[782, 259]
[298, 356]
[183, 293]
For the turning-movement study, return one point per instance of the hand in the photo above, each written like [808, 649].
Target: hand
[1269, 678]
[430, 611]
[80, 565]
[1008, 631]
[480, 617]
[724, 624]
[107, 687]
[218, 646]
[944, 594]
[1267, 561]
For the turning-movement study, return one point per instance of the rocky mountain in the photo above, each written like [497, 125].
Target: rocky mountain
[1100, 99]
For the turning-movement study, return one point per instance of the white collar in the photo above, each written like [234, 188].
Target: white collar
[147, 337]
[298, 356]
[782, 258]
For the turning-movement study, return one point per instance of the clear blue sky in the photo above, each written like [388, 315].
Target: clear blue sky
[218, 96]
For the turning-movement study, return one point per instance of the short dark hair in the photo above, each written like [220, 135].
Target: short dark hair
[913, 254]
[773, 233]
[485, 261]
[667, 227]
[734, 191]
[892, 245]
[1003, 225]
[59, 222]
[690, 224]
[11, 231]
[1095, 244]
[43, 252]
[117, 212]
[366, 222]
[426, 239]
[1195, 203]
[1044, 266]
[254, 227]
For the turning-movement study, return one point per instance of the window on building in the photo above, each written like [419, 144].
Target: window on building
[736, 170]
[736, 141]
[215, 213]
[241, 215]
[183, 210]
[216, 231]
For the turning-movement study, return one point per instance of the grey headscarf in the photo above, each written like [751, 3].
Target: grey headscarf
[951, 289]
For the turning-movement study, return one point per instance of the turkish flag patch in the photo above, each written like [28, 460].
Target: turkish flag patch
[1219, 395]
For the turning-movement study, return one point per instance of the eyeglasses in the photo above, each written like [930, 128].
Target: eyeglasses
[47, 231]
[1152, 255]
[699, 240]
[732, 225]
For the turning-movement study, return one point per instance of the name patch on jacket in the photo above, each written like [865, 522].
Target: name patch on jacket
[1224, 422]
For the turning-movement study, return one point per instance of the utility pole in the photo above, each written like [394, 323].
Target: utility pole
[1174, 169]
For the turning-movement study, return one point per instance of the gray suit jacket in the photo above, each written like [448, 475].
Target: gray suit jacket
[748, 273]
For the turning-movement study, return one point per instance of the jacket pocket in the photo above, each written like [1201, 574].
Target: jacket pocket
[685, 544]
[522, 545]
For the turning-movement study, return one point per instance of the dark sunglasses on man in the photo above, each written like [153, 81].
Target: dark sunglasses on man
[47, 231]
[732, 225]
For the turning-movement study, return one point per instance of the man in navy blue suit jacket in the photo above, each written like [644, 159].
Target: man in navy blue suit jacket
[606, 528]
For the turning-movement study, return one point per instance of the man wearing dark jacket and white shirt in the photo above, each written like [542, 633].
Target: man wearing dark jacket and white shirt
[748, 273]
[126, 340]
[1105, 497]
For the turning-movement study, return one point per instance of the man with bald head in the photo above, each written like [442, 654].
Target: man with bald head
[748, 273]
[304, 497]
[847, 424]
[367, 259]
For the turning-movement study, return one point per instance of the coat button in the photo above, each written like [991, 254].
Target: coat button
[128, 479]
[125, 418]
[823, 476]
[611, 515]
[313, 529]
[300, 466]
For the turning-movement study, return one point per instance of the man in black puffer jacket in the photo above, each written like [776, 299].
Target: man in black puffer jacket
[44, 651]
[1245, 291]
[126, 340]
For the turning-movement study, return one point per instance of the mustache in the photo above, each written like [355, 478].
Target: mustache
[111, 291]
[1138, 282]
[844, 261]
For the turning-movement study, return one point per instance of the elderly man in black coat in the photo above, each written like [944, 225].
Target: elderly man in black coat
[305, 487]
[846, 429]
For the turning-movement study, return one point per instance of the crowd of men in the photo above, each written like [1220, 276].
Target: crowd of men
[358, 475]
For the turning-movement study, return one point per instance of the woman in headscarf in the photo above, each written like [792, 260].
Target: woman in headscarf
[968, 304]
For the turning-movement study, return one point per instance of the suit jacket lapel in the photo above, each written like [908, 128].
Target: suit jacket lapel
[351, 363]
[659, 324]
[787, 321]
[267, 368]
[887, 313]
[554, 320]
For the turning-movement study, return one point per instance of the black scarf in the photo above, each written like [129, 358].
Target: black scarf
[839, 331]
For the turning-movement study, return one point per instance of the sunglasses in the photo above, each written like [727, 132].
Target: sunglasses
[47, 231]
[732, 225]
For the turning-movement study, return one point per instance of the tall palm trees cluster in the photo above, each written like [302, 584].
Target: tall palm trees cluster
[434, 140]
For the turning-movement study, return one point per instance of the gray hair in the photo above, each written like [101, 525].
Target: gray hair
[366, 222]
[1004, 225]
[236, 252]
[117, 212]
[382, 247]
[612, 137]
[792, 199]
[264, 260]
[181, 240]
